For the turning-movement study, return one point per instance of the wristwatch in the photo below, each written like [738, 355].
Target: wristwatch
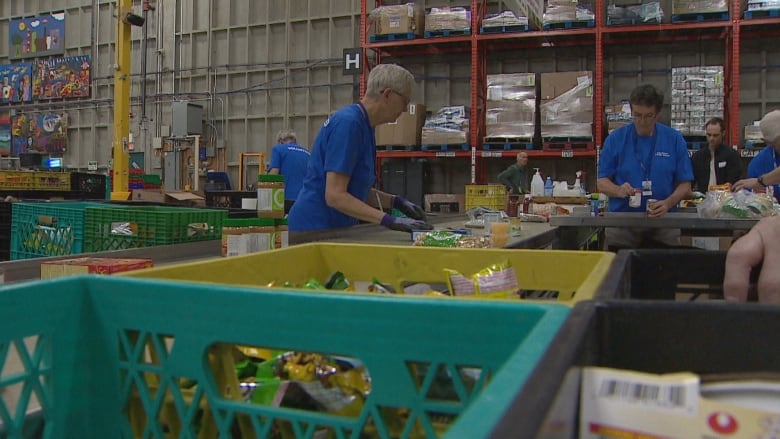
[761, 180]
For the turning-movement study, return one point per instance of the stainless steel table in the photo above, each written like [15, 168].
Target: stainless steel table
[577, 232]
[532, 235]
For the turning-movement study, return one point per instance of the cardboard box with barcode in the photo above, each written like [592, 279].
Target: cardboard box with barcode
[399, 19]
[618, 404]
[406, 130]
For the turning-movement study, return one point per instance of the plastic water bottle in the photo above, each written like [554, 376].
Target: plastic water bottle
[537, 184]
[548, 187]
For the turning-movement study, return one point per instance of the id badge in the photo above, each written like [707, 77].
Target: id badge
[647, 188]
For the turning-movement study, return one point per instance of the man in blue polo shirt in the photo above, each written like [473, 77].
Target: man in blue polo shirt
[339, 187]
[649, 159]
[763, 169]
[289, 159]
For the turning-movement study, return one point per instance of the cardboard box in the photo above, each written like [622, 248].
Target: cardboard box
[90, 265]
[707, 242]
[406, 130]
[557, 83]
[445, 203]
[620, 403]
[176, 198]
[400, 19]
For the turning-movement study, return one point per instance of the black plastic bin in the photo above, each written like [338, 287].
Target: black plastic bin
[227, 199]
[663, 274]
[88, 186]
[712, 337]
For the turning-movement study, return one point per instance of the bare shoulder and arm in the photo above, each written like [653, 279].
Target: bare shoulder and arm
[762, 243]
[770, 178]
[337, 197]
[375, 197]
[609, 188]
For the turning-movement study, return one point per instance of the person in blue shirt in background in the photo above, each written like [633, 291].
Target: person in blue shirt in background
[647, 158]
[290, 160]
[762, 170]
[338, 190]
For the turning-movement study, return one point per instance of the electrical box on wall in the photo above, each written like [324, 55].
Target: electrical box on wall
[186, 119]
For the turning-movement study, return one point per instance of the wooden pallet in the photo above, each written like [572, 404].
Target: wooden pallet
[764, 13]
[447, 33]
[506, 146]
[573, 24]
[448, 147]
[396, 147]
[392, 37]
[701, 16]
[507, 29]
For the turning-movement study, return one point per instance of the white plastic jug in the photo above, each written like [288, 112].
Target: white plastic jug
[537, 184]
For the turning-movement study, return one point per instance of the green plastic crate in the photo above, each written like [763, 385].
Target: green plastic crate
[81, 341]
[147, 226]
[48, 229]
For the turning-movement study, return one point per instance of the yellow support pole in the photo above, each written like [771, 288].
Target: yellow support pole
[121, 157]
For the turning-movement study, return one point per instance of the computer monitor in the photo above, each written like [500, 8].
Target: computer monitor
[53, 163]
[30, 160]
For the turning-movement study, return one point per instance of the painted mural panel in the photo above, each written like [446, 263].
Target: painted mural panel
[62, 77]
[42, 132]
[16, 83]
[5, 134]
[43, 35]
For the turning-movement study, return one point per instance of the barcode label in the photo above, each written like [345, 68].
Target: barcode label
[661, 396]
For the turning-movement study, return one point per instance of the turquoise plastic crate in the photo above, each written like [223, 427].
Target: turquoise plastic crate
[147, 226]
[81, 341]
[48, 229]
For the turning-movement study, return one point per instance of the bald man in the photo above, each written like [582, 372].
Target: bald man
[514, 177]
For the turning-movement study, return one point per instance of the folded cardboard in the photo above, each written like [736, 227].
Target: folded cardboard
[406, 130]
[555, 84]
[90, 265]
[177, 198]
[445, 203]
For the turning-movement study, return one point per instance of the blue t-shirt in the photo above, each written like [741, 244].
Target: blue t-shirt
[765, 161]
[291, 160]
[661, 158]
[346, 145]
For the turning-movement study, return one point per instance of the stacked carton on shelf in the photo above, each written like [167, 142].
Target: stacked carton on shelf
[618, 115]
[697, 96]
[622, 12]
[399, 19]
[406, 130]
[682, 7]
[458, 19]
[511, 105]
[561, 11]
[448, 126]
[762, 5]
[566, 105]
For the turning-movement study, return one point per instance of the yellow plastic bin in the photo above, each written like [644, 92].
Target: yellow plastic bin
[574, 275]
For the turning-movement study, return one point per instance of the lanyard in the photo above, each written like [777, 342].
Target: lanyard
[646, 168]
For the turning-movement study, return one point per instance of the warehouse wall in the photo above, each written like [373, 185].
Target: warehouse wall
[256, 67]
[260, 66]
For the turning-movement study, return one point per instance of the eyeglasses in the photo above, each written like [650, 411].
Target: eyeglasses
[644, 117]
[407, 100]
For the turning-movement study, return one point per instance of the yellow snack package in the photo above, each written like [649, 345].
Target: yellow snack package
[498, 280]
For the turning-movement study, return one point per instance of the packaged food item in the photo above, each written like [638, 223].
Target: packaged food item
[497, 280]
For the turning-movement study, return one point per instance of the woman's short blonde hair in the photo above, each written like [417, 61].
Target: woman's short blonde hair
[286, 135]
[389, 76]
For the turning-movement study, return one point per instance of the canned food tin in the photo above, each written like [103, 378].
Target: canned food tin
[649, 202]
[635, 200]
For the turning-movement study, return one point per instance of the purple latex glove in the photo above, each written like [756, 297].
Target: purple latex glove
[404, 224]
[408, 208]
